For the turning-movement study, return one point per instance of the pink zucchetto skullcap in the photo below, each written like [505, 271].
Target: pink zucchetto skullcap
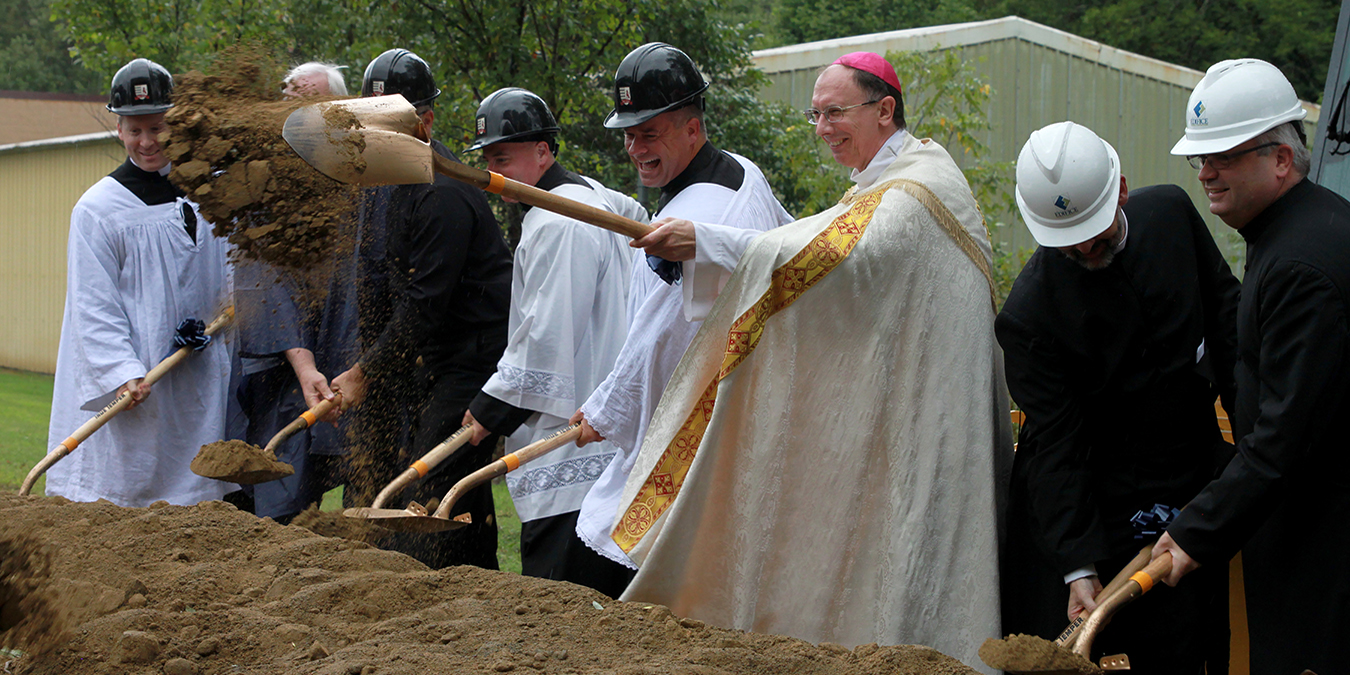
[871, 63]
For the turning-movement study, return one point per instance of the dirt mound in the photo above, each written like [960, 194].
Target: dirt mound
[209, 589]
[28, 618]
[228, 155]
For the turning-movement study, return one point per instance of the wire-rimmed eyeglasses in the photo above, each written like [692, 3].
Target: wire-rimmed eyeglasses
[832, 114]
[1222, 160]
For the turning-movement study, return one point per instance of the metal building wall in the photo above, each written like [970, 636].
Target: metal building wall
[1040, 75]
[39, 183]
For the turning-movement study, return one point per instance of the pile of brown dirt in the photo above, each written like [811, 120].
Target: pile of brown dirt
[209, 590]
[28, 618]
[228, 155]
[235, 461]
[1026, 653]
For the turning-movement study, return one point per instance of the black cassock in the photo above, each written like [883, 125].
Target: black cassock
[434, 304]
[1117, 371]
[1284, 498]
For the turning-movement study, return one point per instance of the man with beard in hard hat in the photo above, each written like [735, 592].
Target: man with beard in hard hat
[1118, 335]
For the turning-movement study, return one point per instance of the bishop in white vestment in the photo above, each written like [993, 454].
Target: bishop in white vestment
[827, 460]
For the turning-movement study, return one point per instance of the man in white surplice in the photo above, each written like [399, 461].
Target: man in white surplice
[658, 102]
[139, 261]
[569, 296]
[828, 458]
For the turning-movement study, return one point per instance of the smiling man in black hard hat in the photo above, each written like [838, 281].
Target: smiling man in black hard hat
[569, 316]
[140, 261]
[658, 103]
[435, 290]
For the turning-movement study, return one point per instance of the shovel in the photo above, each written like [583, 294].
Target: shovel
[248, 464]
[1071, 635]
[1138, 584]
[415, 517]
[374, 141]
[422, 467]
[117, 405]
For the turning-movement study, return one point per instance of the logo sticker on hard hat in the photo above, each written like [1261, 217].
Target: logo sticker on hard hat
[482, 125]
[1065, 207]
[377, 87]
[625, 96]
[1198, 110]
[141, 91]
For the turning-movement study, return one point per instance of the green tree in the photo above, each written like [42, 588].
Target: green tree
[804, 21]
[36, 55]
[1295, 35]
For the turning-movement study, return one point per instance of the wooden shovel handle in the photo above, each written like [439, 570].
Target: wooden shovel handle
[424, 465]
[117, 405]
[1069, 636]
[528, 194]
[306, 420]
[507, 464]
[1139, 583]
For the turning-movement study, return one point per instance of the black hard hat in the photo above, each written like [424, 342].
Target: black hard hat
[399, 71]
[141, 87]
[653, 79]
[509, 114]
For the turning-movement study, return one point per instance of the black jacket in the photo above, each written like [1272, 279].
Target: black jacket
[1283, 498]
[1119, 413]
[448, 277]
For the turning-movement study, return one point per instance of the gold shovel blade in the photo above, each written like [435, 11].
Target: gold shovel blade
[361, 141]
[408, 520]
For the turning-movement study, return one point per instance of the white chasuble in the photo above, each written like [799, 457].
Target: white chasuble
[827, 461]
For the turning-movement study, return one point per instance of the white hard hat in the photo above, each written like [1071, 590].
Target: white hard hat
[1236, 101]
[1068, 182]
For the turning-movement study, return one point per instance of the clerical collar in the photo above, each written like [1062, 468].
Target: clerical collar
[709, 165]
[553, 177]
[151, 187]
[881, 161]
[1258, 225]
[1124, 229]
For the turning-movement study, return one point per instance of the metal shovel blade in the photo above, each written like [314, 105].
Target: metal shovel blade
[362, 141]
[412, 519]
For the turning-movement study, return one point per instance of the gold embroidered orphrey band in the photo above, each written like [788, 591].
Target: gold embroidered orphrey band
[821, 256]
[789, 282]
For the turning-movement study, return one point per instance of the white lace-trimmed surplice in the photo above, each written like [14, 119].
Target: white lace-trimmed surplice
[133, 274]
[847, 485]
[569, 317]
[658, 334]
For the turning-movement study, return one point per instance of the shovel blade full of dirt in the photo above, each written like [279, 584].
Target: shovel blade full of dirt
[378, 141]
[415, 518]
[362, 141]
[244, 464]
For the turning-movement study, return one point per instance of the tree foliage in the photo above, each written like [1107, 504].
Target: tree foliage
[1295, 35]
[35, 54]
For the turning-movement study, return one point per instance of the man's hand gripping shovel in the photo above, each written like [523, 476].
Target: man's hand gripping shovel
[223, 320]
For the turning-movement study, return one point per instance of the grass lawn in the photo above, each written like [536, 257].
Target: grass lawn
[25, 405]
